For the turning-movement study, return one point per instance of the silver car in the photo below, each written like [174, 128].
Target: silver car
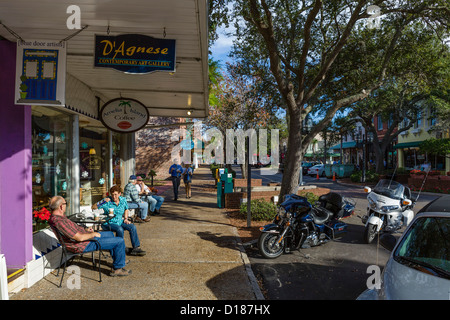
[419, 265]
[318, 169]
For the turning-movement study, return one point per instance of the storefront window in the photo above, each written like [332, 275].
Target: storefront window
[117, 163]
[93, 165]
[51, 145]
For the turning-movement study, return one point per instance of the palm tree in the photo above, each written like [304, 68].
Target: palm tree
[124, 104]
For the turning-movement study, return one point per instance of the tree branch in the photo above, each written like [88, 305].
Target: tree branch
[326, 66]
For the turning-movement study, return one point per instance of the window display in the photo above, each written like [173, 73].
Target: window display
[93, 166]
[51, 143]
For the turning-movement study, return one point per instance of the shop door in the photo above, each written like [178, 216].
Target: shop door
[40, 66]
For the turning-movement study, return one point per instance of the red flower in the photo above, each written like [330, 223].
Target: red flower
[43, 214]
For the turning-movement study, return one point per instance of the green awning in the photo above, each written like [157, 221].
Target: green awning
[345, 145]
[404, 145]
[320, 155]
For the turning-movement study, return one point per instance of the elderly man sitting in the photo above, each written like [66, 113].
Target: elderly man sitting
[77, 238]
[134, 201]
[155, 202]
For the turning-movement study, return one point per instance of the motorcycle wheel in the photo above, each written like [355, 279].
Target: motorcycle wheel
[370, 232]
[268, 247]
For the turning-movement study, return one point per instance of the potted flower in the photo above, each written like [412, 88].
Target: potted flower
[152, 173]
[23, 87]
[416, 172]
[41, 218]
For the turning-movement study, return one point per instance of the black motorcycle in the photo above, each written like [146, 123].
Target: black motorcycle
[298, 224]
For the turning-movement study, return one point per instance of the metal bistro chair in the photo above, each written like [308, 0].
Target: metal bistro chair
[66, 254]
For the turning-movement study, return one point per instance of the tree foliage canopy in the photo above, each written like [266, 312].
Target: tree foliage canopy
[321, 56]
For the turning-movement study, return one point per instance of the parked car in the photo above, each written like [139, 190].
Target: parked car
[317, 169]
[307, 165]
[419, 265]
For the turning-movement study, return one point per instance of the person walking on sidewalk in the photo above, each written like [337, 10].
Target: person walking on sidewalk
[187, 179]
[77, 238]
[175, 172]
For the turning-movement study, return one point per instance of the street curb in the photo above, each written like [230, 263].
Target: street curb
[248, 268]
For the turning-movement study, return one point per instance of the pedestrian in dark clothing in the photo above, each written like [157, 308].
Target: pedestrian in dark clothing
[175, 171]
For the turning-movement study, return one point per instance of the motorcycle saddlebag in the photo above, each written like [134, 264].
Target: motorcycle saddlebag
[336, 229]
[333, 202]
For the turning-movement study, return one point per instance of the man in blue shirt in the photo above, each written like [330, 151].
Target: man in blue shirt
[175, 172]
[134, 201]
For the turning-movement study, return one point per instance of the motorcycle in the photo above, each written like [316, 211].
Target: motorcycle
[389, 208]
[298, 224]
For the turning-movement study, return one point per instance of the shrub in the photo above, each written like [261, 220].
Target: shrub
[370, 176]
[311, 197]
[261, 210]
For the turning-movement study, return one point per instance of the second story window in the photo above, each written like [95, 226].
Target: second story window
[418, 123]
[379, 123]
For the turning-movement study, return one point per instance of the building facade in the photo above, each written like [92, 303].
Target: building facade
[67, 148]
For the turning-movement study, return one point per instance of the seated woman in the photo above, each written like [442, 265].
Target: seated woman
[154, 201]
[120, 222]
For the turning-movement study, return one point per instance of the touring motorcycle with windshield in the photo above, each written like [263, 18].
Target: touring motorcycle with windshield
[389, 208]
[298, 224]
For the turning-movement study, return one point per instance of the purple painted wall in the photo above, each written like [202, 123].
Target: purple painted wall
[16, 229]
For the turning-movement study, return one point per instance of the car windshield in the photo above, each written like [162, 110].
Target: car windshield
[426, 246]
[391, 189]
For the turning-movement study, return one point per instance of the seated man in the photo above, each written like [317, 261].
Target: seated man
[134, 201]
[155, 202]
[120, 222]
[77, 238]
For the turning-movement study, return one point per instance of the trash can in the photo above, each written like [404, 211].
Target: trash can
[328, 172]
[345, 170]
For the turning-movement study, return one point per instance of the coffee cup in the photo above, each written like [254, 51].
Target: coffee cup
[111, 212]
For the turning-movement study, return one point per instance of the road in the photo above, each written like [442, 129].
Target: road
[336, 270]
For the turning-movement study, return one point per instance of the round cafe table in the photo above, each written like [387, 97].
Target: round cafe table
[85, 221]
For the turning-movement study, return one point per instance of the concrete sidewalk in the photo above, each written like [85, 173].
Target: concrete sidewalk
[193, 253]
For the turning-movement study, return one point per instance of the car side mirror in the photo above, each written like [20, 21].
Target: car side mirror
[367, 189]
[388, 241]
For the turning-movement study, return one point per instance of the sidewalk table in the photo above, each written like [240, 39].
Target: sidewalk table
[88, 221]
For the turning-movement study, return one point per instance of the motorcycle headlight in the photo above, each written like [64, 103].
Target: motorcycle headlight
[388, 208]
[372, 203]
[281, 212]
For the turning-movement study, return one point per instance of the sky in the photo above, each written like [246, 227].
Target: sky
[222, 47]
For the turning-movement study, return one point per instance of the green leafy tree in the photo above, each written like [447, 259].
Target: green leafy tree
[294, 46]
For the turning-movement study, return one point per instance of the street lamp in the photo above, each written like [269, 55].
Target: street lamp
[361, 140]
[307, 124]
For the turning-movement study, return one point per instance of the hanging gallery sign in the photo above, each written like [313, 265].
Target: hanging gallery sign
[124, 115]
[40, 72]
[134, 53]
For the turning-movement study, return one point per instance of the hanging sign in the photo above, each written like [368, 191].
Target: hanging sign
[40, 72]
[124, 115]
[134, 53]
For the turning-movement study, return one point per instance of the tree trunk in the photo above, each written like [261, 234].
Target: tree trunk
[294, 155]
